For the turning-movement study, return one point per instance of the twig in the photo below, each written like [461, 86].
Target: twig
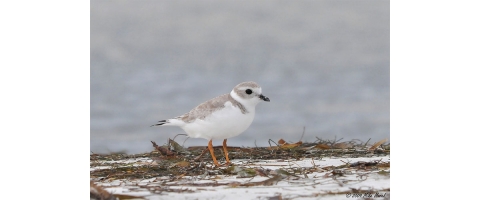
[178, 135]
[273, 142]
[198, 158]
[367, 142]
[302, 133]
[163, 151]
[335, 140]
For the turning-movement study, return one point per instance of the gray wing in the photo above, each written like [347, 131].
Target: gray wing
[205, 109]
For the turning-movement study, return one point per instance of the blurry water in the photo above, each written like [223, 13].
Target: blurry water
[323, 64]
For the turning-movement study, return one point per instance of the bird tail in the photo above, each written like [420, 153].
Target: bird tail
[170, 122]
[162, 122]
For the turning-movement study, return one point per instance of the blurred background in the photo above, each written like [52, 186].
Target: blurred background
[323, 64]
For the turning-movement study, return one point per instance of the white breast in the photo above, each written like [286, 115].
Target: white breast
[222, 124]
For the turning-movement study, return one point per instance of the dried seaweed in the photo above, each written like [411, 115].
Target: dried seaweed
[174, 162]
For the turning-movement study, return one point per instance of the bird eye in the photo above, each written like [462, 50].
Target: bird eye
[248, 91]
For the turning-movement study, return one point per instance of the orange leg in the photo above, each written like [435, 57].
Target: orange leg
[225, 150]
[210, 147]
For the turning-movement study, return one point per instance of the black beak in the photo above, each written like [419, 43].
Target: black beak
[264, 98]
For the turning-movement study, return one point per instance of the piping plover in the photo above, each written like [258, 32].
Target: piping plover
[222, 117]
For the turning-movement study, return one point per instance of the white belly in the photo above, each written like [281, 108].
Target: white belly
[222, 124]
